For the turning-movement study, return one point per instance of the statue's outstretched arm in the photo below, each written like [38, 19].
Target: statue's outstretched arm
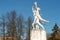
[43, 20]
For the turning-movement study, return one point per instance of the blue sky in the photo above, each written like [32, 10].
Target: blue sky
[50, 10]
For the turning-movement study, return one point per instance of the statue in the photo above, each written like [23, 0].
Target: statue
[37, 16]
[37, 33]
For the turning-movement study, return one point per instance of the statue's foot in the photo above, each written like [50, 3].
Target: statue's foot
[33, 28]
[43, 28]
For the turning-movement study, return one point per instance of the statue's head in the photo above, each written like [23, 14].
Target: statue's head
[37, 8]
[35, 3]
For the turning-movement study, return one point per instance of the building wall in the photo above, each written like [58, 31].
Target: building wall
[7, 38]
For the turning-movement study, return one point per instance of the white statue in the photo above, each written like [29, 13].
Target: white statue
[37, 16]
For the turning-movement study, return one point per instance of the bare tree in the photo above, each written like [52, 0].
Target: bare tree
[20, 24]
[3, 26]
[11, 26]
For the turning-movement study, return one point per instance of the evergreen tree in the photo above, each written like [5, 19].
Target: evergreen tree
[29, 27]
[55, 31]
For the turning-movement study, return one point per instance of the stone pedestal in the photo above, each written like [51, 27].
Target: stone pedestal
[37, 34]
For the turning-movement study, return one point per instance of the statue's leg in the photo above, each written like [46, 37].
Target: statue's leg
[33, 25]
[42, 18]
[41, 25]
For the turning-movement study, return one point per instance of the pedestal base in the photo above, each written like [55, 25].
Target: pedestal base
[37, 34]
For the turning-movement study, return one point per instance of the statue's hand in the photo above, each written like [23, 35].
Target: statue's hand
[47, 21]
